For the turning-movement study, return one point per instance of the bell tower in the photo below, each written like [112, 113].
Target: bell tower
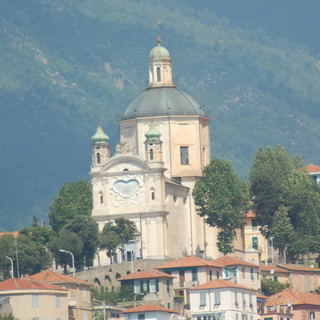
[100, 149]
[160, 71]
[153, 144]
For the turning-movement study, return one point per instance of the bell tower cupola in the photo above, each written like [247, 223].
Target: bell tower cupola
[160, 71]
[100, 148]
[153, 144]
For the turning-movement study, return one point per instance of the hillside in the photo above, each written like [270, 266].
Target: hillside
[66, 65]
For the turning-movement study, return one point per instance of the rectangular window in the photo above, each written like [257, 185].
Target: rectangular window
[168, 285]
[237, 316]
[169, 305]
[153, 287]
[227, 273]
[136, 286]
[217, 298]
[84, 294]
[235, 273]
[243, 301]
[243, 272]
[254, 224]
[85, 316]
[194, 275]
[35, 300]
[236, 301]
[141, 316]
[218, 275]
[251, 274]
[184, 156]
[202, 299]
[58, 302]
[210, 275]
[255, 243]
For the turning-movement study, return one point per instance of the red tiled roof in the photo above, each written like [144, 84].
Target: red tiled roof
[188, 261]
[311, 168]
[27, 284]
[261, 296]
[251, 214]
[54, 277]
[14, 233]
[217, 283]
[298, 268]
[148, 308]
[296, 298]
[269, 268]
[232, 261]
[146, 275]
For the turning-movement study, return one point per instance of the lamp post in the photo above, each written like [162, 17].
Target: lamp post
[11, 265]
[66, 251]
[104, 307]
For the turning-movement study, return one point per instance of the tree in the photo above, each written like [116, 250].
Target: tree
[282, 230]
[7, 248]
[269, 177]
[87, 230]
[270, 287]
[74, 198]
[7, 316]
[102, 293]
[109, 240]
[221, 198]
[69, 241]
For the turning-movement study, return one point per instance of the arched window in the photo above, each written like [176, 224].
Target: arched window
[98, 158]
[158, 74]
[153, 196]
[101, 198]
[151, 154]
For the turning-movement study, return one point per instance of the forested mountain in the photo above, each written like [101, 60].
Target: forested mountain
[68, 64]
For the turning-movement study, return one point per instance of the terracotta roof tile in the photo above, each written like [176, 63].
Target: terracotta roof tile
[232, 261]
[184, 262]
[149, 308]
[251, 214]
[269, 268]
[261, 296]
[298, 268]
[27, 284]
[217, 283]
[146, 275]
[14, 233]
[296, 298]
[311, 168]
[55, 277]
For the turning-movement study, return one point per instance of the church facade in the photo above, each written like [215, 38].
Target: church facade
[163, 149]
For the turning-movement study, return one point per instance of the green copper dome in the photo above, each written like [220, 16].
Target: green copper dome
[99, 137]
[162, 101]
[153, 133]
[159, 52]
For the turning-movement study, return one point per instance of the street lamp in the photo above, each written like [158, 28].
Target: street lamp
[104, 307]
[11, 265]
[73, 270]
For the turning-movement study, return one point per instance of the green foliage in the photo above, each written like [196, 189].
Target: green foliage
[7, 248]
[7, 316]
[221, 199]
[74, 199]
[126, 293]
[317, 290]
[103, 294]
[270, 286]
[282, 230]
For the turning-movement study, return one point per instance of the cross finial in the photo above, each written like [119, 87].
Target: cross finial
[159, 40]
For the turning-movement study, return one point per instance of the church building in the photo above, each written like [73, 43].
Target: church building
[164, 147]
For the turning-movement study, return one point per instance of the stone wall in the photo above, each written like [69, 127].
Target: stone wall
[107, 275]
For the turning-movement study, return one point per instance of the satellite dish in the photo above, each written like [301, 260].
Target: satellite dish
[272, 271]
[289, 304]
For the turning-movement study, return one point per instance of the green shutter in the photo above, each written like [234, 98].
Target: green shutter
[157, 285]
[148, 286]
[141, 286]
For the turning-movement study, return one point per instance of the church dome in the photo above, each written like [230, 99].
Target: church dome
[160, 101]
[159, 52]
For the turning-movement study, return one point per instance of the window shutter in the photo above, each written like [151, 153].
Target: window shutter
[157, 285]
[148, 285]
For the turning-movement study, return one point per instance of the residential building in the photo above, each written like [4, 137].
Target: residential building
[275, 273]
[222, 299]
[164, 147]
[29, 299]
[79, 294]
[313, 171]
[151, 312]
[303, 305]
[239, 271]
[256, 246]
[304, 279]
[155, 286]
[188, 272]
